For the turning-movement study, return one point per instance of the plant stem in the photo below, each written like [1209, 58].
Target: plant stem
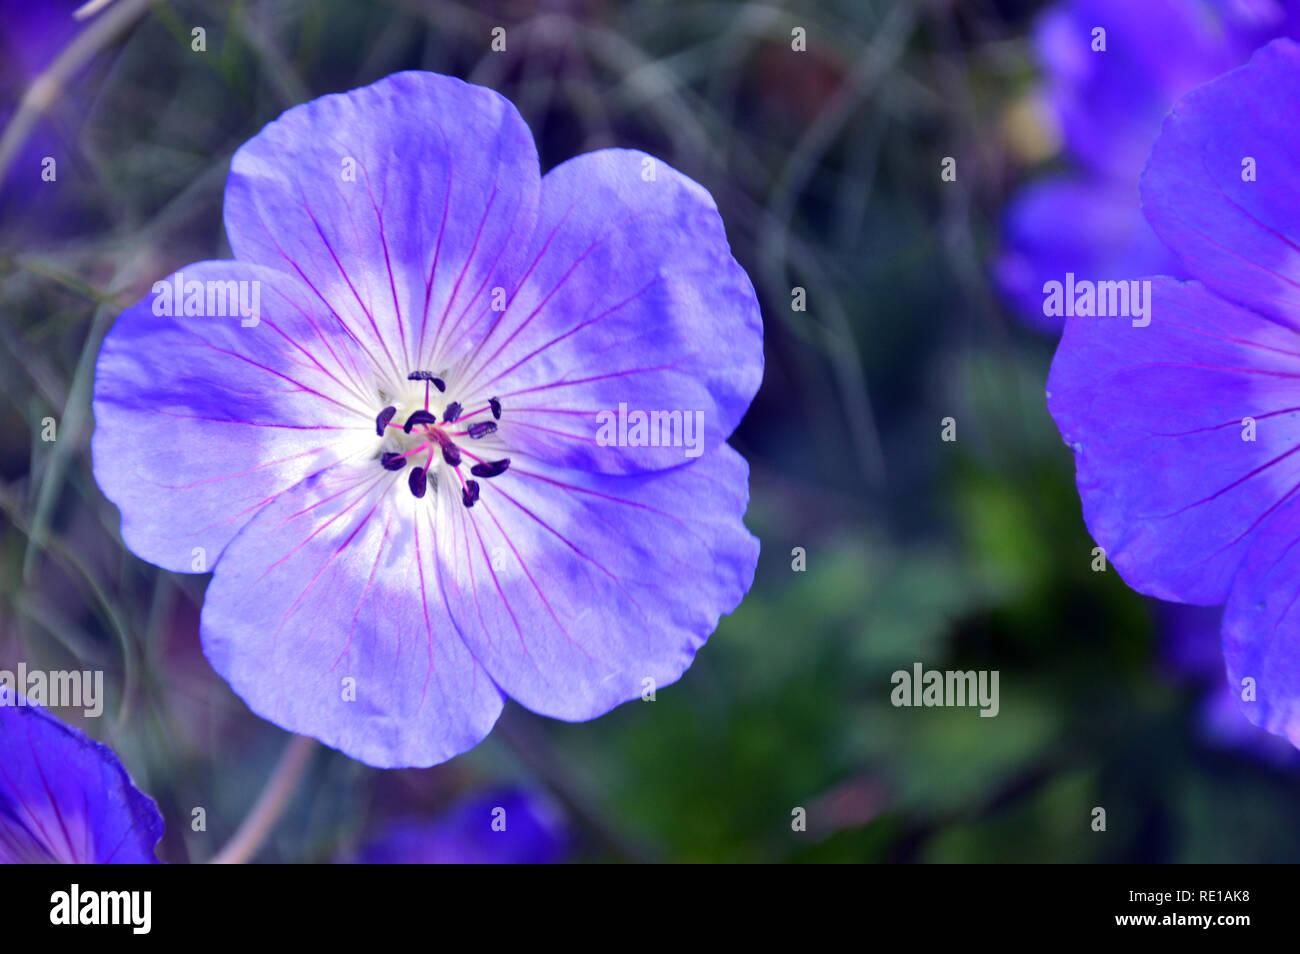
[252, 832]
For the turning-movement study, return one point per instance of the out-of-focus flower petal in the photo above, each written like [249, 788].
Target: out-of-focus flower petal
[1240, 235]
[1089, 227]
[507, 827]
[1109, 103]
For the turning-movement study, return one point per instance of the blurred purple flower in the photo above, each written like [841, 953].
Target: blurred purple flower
[508, 827]
[1185, 432]
[65, 798]
[416, 301]
[1107, 107]
[34, 34]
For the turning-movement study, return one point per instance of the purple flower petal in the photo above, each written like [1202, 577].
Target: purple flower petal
[1109, 104]
[34, 35]
[1186, 432]
[1106, 239]
[403, 205]
[1254, 22]
[508, 827]
[327, 615]
[631, 297]
[1261, 629]
[200, 421]
[1190, 640]
[1155, 414]
[580, 591]
[1220, 718]
[65, 798]
[1242, 238]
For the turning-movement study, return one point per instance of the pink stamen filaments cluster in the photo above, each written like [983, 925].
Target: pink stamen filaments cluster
[438, 438]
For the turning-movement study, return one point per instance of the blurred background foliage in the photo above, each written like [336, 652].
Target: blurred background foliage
[963, 555]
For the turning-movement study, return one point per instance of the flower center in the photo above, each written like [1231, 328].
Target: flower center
[424, 438]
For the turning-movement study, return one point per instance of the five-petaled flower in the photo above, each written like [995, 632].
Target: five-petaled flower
[1186, 433]
[64, 798]
[394, 464]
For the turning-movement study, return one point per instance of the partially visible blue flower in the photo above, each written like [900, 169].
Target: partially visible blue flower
[1186, 432]
[65, 798]
[511, 826]
[1107, 107]
[386, 423]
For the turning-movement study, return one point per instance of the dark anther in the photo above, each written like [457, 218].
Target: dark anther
[419, 417]
[393, 461]
[382, 420]
[492, 469]
[495, 404]
[451, 454]
[419, 482]
[452, 412]
[470, 493]
[482, 429]
[427, 376]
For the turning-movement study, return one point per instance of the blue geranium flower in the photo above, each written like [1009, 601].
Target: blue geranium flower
[1186, 431]
[1107, 105]
[512, 826]
[64, 798]
[378, 424]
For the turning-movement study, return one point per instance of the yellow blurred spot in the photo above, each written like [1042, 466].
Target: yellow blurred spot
[1029, 130]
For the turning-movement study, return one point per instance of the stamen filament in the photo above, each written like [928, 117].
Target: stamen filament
[417, 450]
